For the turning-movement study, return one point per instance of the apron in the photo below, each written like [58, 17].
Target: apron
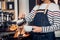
[41, 20]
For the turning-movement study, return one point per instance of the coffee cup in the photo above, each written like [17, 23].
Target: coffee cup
[28, 28]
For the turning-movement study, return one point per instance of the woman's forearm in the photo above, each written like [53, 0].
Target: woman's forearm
[29, 17]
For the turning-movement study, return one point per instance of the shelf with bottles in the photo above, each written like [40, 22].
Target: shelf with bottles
[7, 6]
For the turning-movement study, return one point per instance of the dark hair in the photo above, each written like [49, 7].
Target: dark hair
[40, 2]
[58, 2]
[52, 1]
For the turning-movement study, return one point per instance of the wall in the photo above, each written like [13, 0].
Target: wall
[24, 6]
[16, 10]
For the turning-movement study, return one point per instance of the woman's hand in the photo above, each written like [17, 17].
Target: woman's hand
[37, 29]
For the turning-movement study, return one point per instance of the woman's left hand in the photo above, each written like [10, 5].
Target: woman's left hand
[37, 29]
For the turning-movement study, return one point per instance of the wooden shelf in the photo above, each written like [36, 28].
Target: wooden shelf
[3, 5]
[9, 11]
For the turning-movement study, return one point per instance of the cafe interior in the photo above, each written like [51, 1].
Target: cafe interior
[11, 26]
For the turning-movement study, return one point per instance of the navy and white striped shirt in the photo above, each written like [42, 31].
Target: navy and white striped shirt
[53, 17]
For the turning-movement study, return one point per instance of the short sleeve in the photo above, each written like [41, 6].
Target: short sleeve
[36, 7]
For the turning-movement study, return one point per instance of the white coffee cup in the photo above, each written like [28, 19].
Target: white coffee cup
[28, 28]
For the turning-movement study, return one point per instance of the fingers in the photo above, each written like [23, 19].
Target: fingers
[37, 29]
[34, 27]
[34, 30]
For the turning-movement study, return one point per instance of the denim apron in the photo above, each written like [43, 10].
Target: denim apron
[41, 20]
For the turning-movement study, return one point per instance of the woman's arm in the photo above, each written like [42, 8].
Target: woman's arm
[56, 22]
[54, 16]
[29, 17]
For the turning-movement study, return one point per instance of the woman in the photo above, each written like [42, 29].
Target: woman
[44, 19]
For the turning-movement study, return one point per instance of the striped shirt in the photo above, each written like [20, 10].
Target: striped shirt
[53, 17]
